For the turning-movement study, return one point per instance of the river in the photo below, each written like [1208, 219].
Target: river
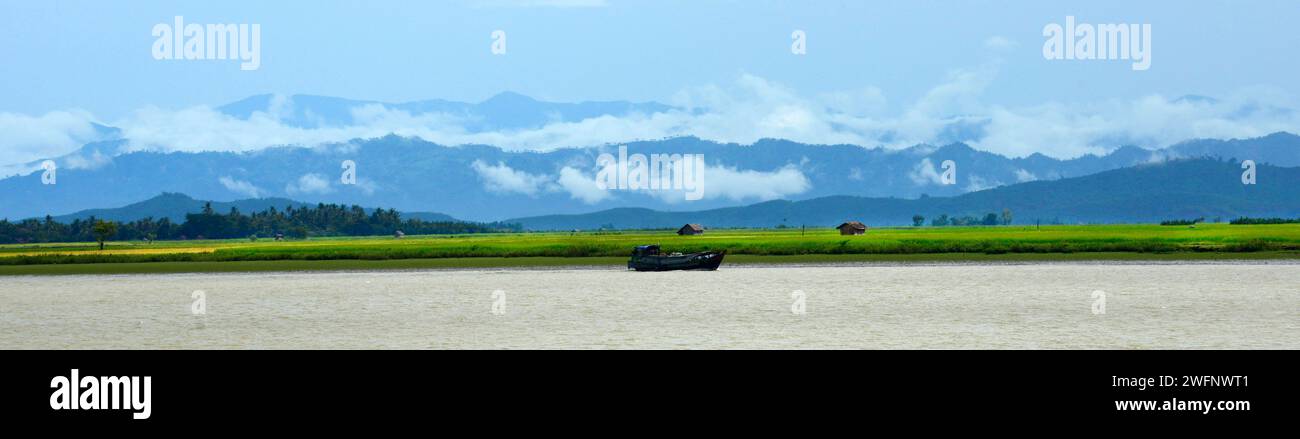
[1241, 305]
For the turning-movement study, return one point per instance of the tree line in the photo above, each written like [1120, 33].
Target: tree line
[322, 220]
[1252, 221]
[991, 219]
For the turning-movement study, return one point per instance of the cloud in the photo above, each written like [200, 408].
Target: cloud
[726, 182]
[94, 160]
[1152, 121]
[503, 179]
[743, 111]
[717, 182]
[205, 129]
[309, 184]
[924, 173]
[741, 185]
[581, 187]
[1023, 176]
[26, 138]
[977, 183]
[240, 187]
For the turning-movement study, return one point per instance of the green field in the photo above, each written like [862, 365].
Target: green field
[1204, 241]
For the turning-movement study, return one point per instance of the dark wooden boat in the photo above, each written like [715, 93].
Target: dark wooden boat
[649, 258]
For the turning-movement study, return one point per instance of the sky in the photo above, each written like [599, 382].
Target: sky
[874, 73]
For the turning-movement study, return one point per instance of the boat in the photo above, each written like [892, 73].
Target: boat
[649, 258]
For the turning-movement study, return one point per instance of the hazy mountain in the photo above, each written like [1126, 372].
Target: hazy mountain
[99, 135]
[1180, 189]
[174, 206]
[484, 183]
[1278, 149]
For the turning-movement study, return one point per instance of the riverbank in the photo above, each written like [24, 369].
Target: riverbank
[611, 248]
[619, 262]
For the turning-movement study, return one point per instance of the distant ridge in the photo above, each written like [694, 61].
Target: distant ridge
[174, 206]
[412, 175]
[1179, 189]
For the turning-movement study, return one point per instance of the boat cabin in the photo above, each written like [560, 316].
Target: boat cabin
[646, 250]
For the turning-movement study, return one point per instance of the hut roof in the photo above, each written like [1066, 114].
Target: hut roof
[854, 224]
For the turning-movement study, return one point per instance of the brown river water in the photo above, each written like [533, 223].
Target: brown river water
[945, 306]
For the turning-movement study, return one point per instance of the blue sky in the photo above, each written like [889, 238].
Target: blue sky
[95, 55]
[883, 59]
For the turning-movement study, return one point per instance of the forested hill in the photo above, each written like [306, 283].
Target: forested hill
[1179, 189]
[291, 222]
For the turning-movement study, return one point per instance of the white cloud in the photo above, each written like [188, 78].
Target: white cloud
[309, 184]
[240, 187]
[1023, 176]
[280, 107]
[740, 185]
[26, 138]
[720, 181]
[504, 179]
[581, 187]
[94, 160]
[924, 173]
[744, 111]
[205, 129]
[977, 183]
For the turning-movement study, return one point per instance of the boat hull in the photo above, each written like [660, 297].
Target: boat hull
[707, 261]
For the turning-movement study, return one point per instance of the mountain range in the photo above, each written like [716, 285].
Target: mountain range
[1177, 189]
[175, 206]
[484, 183]
[487, 183]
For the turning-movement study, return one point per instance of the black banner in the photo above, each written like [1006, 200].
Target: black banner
[232, 389]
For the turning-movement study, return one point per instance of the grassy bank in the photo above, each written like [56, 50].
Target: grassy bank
[612, 262]
[490, 250]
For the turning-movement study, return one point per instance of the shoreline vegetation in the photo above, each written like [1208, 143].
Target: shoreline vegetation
[611, 262]
[1013, 243]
